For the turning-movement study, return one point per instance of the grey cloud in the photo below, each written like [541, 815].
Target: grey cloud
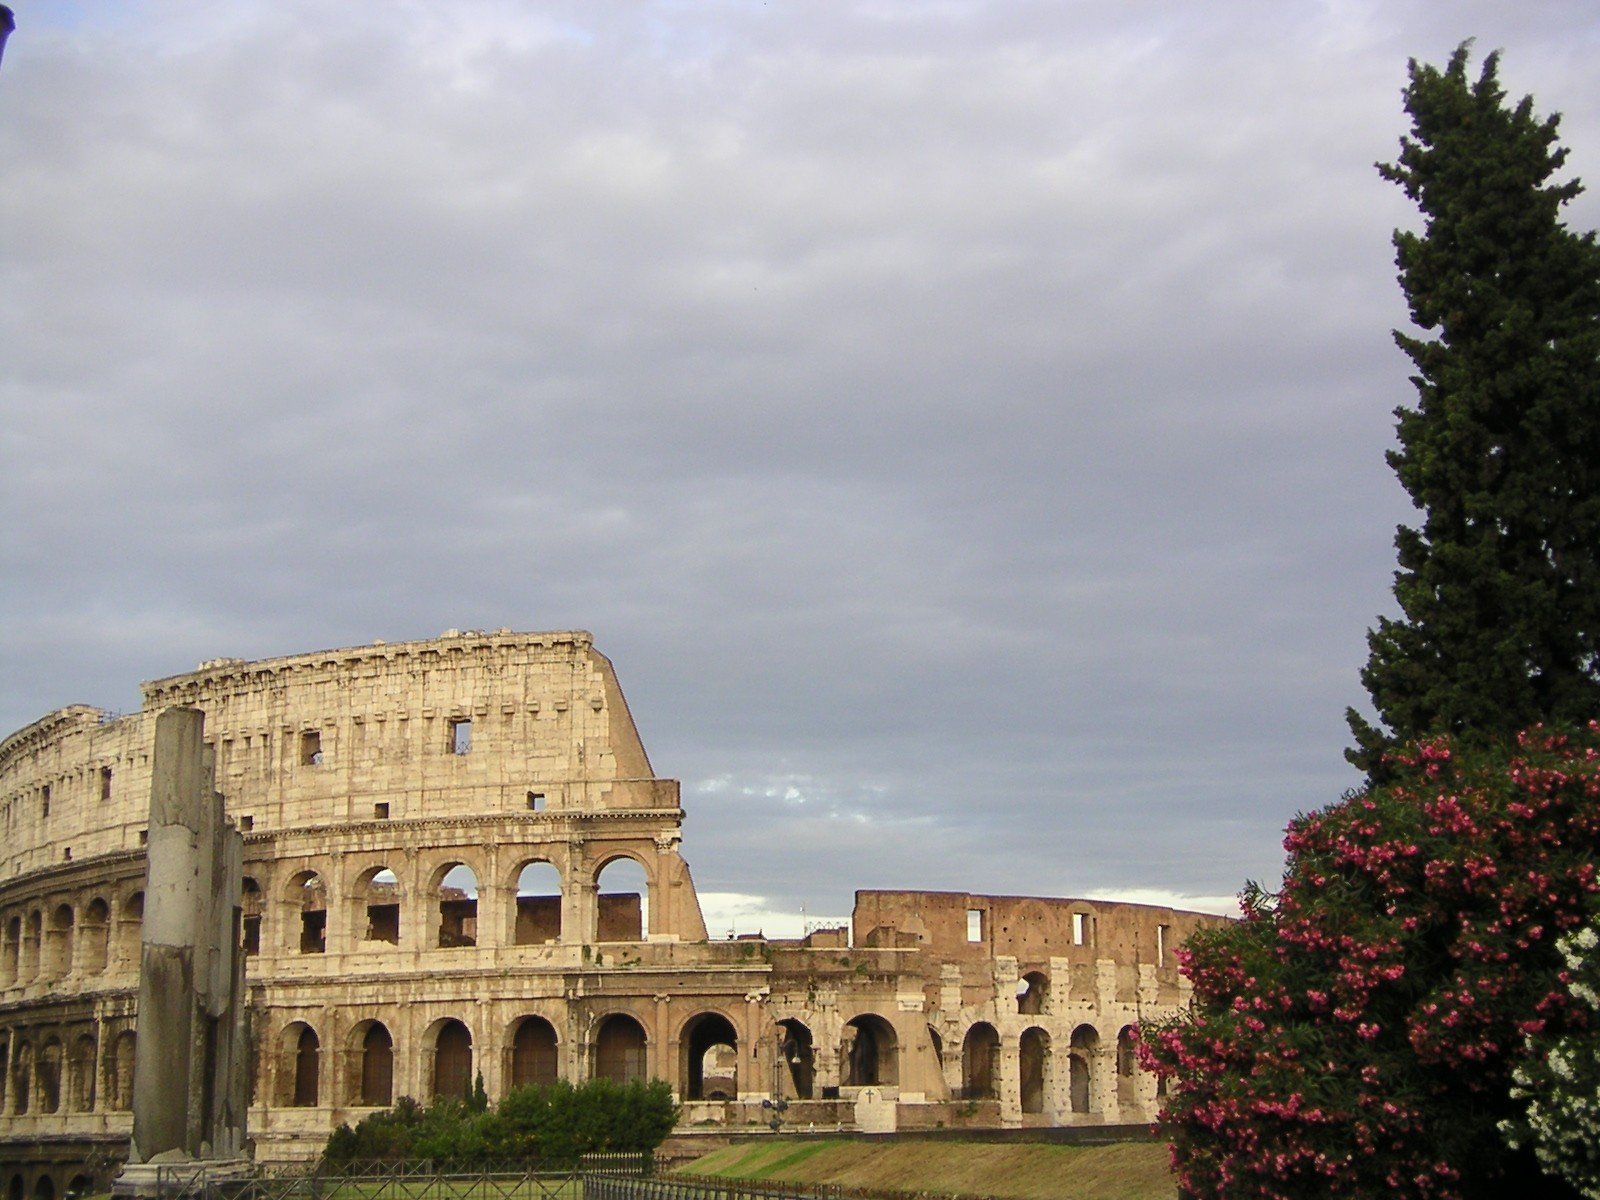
[975, 411]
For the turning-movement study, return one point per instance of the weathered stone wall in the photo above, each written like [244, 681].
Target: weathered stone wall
[432, 835]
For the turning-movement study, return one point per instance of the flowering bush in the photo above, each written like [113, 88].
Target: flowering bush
[1356, 1034]
[1559, 1080]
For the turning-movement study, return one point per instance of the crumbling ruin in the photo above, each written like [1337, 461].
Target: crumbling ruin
[458, 859]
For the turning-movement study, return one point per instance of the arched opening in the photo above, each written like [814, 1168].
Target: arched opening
[44, 1188]
[1033, 993]
[80, 1185]
[15, 1189]
[251, 906]
[95, 940]
[300, 1066]
[533, 1053]
[869, 1052]
[10, 952]
[50, 1076]
[457, 893]
[452, 1060]
[119, 1072]
[538, 905]
[619, 1049]
[980, 1063]
[1033, 1062]
[58, 942]
[308, 899]
[622, 898]
[1085, 1042]
[371, 1065]
[799, 1053]
[708, 1067]
[1127, 1069]
[32, 941]
[22, 1079]
[377, 905]
[130, 929]
[80, 1074]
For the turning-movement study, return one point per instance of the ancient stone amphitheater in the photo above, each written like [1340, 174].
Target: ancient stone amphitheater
[460, 862]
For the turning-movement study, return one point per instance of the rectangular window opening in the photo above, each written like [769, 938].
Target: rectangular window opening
[44, 804]
[313, 932]
[144, 837]
[1080, 922]
[311, 748]
[105, 783]
[535, 801]
[974, 924]
[252, 935]
[460, 735]
[1162, 932]
[380, 810]
[246, 823]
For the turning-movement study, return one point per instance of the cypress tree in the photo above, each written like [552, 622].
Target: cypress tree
[1500, 585]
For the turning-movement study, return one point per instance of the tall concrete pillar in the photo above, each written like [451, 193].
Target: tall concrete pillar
[190, 1077]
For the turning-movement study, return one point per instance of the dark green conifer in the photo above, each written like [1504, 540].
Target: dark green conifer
[1500, 586]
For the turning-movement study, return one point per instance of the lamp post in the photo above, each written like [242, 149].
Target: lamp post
[787, 1053]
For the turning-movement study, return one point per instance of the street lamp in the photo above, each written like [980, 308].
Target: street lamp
[788, 1053]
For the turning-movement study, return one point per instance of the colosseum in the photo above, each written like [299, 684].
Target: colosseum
[460, 862]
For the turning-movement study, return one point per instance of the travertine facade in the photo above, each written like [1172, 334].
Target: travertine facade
[434, 833]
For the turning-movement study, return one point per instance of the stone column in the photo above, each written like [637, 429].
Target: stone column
[1009, 1084]
[189, 1077]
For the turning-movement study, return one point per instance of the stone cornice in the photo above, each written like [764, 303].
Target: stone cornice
[231, 673]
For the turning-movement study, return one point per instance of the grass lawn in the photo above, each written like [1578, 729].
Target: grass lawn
[1026, 1171]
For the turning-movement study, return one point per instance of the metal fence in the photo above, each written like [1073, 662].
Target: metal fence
[398, 1181]
[703, 1187]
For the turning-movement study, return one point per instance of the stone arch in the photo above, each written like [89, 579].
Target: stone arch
[11, 950]
[58, 942]
[980, 1062]
[375, 905]
[32, 946]
[620, 1048]
[799, 1052]
[708, 1058]
[119, 1071]
[80, 1185]
[454, 887]
[537, 885]
[1080, 1068]
[1033, 1069]
[299, 1066]
[869, 1052]
[622, 913]
[130, 929]
[48, 1075]
[80, 1074]
[305, 897]
[22, 1078]
[370, 1059]
[1033, 993]
[94, 942]
[252, 908]
[15, 1190]
[44, 1188]
[1127, 1068]
[449, 1047]
[533, 1053]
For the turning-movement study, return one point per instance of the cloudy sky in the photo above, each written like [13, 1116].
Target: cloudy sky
[961, 423]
